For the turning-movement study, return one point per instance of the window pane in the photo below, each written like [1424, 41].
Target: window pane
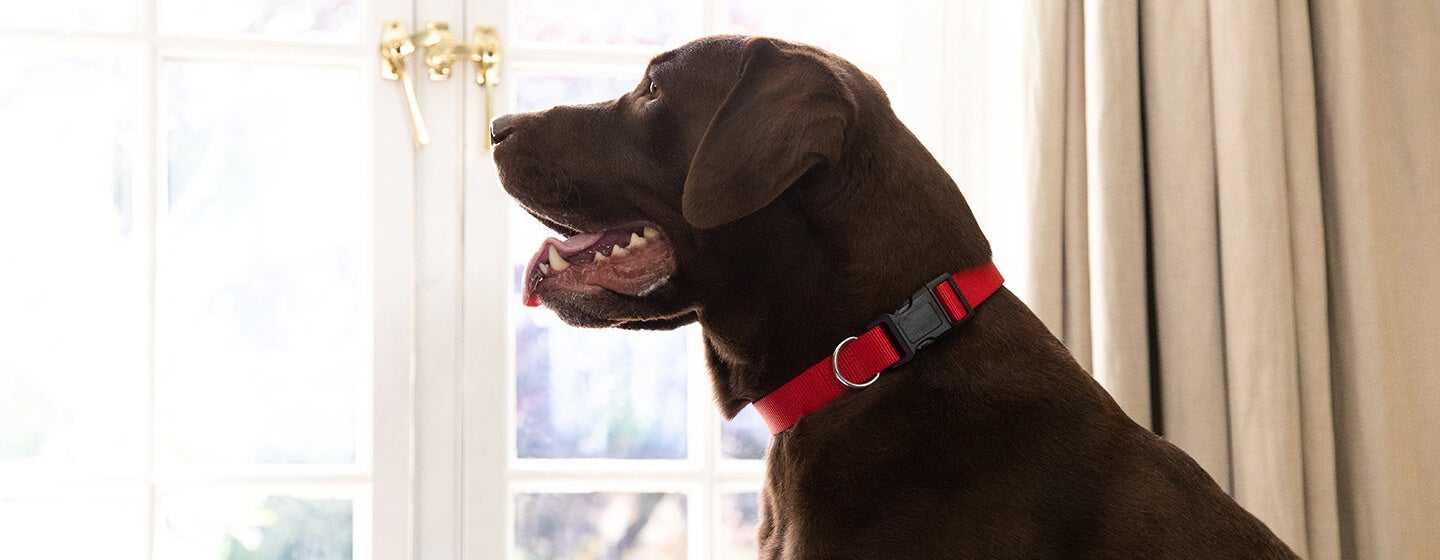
[608, 525]
[739, 516]
[602, 22]
[70, 15]
[97, 526]
[589, 393]
[261, 336]
[745, 437]
[860, 30]
[330, 20]
[73, 292]
[233, 526]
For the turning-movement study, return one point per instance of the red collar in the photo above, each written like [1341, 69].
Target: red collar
[932, 311]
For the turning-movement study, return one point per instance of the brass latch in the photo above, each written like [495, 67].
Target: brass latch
[441, 52]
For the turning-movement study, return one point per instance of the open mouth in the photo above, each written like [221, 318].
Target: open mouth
[631, 260]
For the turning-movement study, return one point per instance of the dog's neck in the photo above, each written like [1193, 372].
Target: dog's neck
[853, 250]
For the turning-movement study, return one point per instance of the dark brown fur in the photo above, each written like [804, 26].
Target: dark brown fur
[800, 209]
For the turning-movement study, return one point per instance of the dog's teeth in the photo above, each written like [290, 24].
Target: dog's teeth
[556, 262]
[636, 241]
[600, 257]
[651, 233]
[545, 268]
[618, 251]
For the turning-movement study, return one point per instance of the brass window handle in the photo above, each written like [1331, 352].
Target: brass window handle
[395, 45]
[441, 52]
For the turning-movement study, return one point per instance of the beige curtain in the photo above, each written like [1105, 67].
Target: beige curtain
[1236, 225]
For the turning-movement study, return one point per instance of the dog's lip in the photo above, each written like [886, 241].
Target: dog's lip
[632, 259]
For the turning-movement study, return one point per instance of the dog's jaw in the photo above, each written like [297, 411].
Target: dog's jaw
[633, 260]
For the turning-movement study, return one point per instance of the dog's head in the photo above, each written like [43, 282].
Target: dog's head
[746, 182]
[644, 184]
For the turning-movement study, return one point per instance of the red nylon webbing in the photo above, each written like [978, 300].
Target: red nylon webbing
[860, 360]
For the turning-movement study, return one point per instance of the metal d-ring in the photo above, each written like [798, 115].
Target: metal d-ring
[835, 367]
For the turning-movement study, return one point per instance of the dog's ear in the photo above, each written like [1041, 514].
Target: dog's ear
[787, 113]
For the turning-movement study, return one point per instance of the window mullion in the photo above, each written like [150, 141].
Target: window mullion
[148, 183]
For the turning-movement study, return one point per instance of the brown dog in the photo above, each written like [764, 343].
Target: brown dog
[767, 190]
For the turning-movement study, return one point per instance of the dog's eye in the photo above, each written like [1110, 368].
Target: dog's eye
[654, 88]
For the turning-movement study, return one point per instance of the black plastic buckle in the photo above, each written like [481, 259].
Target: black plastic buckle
[922, 320]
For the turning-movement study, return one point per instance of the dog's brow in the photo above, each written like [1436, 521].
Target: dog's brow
[660, 59]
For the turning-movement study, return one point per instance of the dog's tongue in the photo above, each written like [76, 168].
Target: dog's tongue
[575, 244]
[619, 260]
[580, 242]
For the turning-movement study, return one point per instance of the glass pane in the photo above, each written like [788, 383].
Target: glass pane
[69, 15]
[745, 437]
[73, 292]
[261, 336]
[603, 22]
[608, 525]
[330, 20]
[233, 526]
[860, 30]
[739, 516]
[536, 92]
[98, 526]
[586, 393]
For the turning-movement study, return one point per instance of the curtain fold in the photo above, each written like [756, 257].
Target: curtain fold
[1236, 211]
[1258, 277]
[1379, 109]
[1180, 174]
[1116, 202]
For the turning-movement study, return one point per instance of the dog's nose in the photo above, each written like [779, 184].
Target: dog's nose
[501, 127]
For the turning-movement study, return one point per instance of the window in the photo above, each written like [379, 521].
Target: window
[189, 295]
